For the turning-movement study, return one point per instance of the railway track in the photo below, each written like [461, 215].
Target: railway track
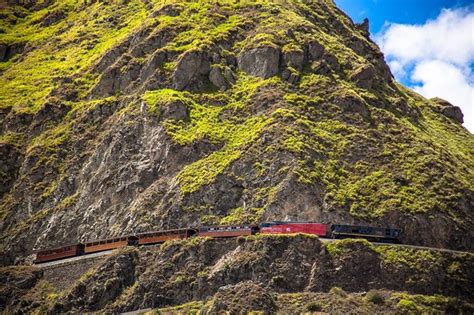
[72, 259]
[324, 240]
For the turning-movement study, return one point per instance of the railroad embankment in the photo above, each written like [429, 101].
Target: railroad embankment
[276, 269]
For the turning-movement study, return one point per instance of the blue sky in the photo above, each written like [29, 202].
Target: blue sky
[396, 11]
[428, 44]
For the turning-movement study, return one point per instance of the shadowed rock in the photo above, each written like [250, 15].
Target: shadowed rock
[190, 68]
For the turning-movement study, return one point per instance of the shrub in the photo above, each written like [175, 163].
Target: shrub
[375, 297]
[338, 291]
[313, 307]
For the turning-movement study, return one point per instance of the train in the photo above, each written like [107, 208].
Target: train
[334, 231]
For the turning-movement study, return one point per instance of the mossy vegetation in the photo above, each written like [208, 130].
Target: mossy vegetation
[419, 260]
[422, 304]
[68, 47]
[158, 99]
[340, 247]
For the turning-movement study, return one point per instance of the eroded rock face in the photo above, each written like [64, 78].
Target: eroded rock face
[364, 27]
[243, 297]
[105, 285]
[260, 62]
[353, 104]
[10, 161]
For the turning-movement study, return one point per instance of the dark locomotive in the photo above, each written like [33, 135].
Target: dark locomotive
[336, 231]
[373, 234]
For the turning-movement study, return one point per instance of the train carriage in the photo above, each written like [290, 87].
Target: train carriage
[59, 253]
[156, 237]
[282, 227]
[228, 231]
[111, 243]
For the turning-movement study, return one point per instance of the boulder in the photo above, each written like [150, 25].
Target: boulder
[315, 50]
[454, 113]
[191, 66]
[176, 110]
[222, 77]
[260, 62]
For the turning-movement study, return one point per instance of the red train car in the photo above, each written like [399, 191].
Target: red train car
[59, 253]
[111, 243]
[163, 236]
[228, 231]
[281, 227]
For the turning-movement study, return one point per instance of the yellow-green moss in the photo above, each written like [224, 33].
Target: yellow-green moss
[340, 247]
[417, 259]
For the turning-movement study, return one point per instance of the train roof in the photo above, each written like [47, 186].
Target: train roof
[109, 239]
[166, 231]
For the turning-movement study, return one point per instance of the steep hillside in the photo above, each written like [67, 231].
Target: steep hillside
[128, 116]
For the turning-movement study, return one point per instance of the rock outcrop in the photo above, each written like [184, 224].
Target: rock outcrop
[190, 70]
[449, 110]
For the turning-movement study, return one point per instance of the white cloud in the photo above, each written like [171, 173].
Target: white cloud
[444, 80]
[438, 55]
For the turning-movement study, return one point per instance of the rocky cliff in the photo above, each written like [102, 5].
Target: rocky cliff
[125, 116]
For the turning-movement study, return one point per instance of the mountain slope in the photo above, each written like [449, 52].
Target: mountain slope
[127, 116]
